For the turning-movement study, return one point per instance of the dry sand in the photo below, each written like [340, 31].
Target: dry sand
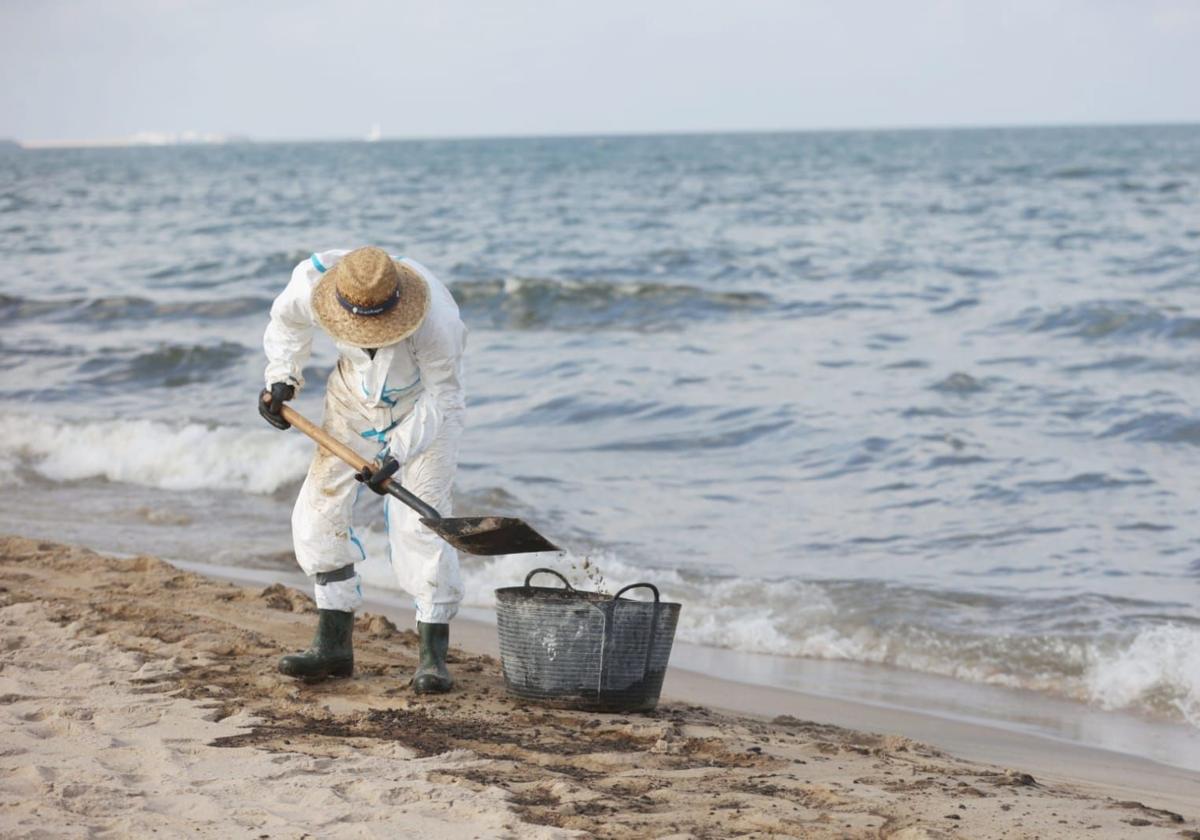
[137, 699]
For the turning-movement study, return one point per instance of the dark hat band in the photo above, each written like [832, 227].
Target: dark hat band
[378, 309]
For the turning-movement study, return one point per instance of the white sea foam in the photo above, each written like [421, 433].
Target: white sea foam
[8, 468]
[1161, 665]
[187, 456]
[1157, 670]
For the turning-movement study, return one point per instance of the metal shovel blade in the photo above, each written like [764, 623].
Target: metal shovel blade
[486, 535]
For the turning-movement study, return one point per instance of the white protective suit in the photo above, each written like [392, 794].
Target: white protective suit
[408, 402]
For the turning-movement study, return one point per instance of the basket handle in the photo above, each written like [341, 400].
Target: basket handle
[566, 582]
[610, 607]
[649, 586]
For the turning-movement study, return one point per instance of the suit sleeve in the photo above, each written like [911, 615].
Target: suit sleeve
[438, 348]
[288, 337]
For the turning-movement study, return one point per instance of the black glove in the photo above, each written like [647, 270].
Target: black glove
[374, 476]
[270, 403]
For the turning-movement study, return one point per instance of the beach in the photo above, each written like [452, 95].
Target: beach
[138, 698]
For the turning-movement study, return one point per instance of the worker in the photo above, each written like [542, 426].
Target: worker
[396, 396]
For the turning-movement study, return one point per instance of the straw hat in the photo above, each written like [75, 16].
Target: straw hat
[370, 300]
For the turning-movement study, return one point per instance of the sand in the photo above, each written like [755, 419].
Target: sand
[137, 699]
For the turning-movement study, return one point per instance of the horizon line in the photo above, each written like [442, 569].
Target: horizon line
[231, 138]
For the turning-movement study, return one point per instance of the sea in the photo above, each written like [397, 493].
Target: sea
[904, 416]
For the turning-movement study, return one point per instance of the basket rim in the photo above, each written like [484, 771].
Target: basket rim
[583, 595]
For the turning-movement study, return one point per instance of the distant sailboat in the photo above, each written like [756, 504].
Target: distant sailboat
[374, 134]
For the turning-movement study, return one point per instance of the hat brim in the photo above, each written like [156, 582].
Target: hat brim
[366, 331]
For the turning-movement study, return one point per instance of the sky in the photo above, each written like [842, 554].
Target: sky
[299, 69]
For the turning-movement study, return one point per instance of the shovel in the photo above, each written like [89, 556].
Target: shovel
[473, 534]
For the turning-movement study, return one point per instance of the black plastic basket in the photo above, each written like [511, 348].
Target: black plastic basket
[574, 649]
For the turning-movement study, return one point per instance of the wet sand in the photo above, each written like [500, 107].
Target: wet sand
[136, 697]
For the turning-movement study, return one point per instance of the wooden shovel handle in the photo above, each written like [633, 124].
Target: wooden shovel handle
[331, 444]
[323, 438]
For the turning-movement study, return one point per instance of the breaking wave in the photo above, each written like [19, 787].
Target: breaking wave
[1151, 668]
[184, 456]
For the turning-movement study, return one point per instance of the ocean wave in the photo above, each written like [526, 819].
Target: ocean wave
[1157, 187]
[167, 365]
[543, 303]
[113, 309]
[728, 439]
[1158, 427]
[245, 270]
[183, 456]
[959, 383]
[1131, 362]
[1084, 173]
[1087, 482]
[1110, 319]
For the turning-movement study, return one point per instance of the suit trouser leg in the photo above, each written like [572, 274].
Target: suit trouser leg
[322, 519]
[425, 565]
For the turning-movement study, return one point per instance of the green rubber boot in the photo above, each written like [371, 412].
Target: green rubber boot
[331, 653]
[432, 677]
